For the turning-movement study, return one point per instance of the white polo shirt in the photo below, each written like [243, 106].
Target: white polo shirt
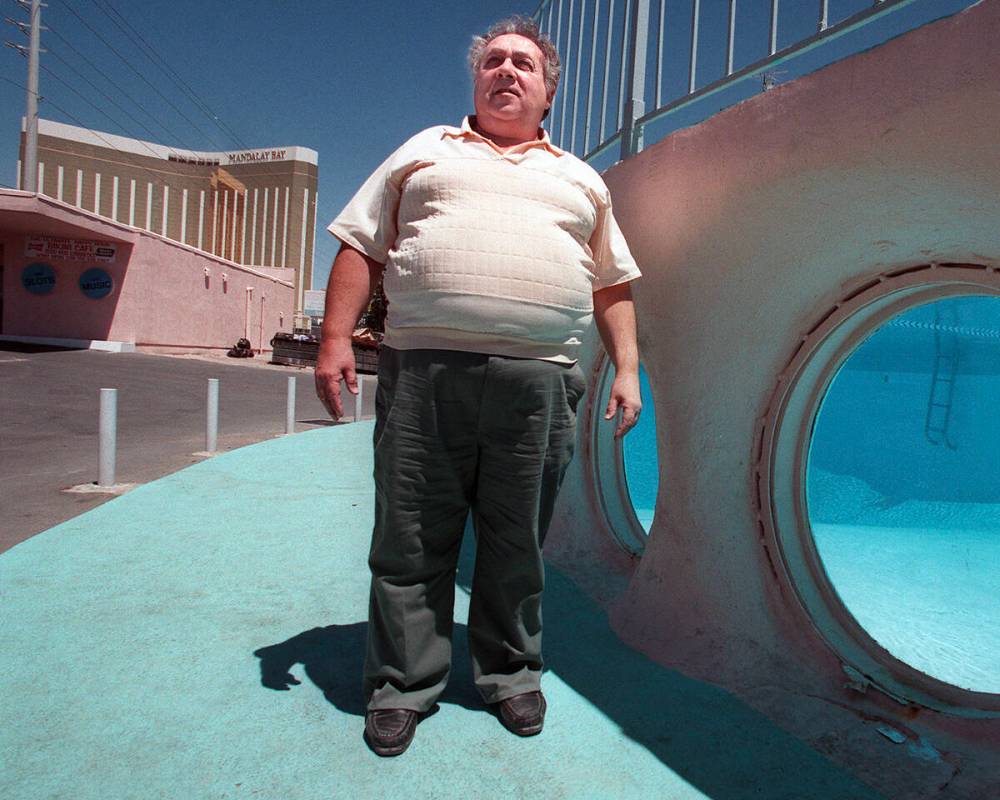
[486, 249]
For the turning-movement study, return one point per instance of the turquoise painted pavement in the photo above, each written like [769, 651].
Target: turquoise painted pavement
[201, 637]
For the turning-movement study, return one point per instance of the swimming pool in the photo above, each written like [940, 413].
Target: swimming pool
[903, 487]
[903, 484]
[642, 469]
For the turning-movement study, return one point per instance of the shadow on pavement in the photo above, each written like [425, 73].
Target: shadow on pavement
[707, 736]
[29, 347]
[333, 658]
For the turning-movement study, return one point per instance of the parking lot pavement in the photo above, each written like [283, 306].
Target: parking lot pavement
[49, 403]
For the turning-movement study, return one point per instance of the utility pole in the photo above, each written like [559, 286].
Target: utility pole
[31, 131]
[34, 31]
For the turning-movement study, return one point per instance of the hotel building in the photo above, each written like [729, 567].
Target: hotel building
[256, 208]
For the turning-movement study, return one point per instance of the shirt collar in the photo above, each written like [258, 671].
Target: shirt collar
[467, 131]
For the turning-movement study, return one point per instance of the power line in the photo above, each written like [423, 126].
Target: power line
[127, 63]
[95, 107]
[156, 58]
[20, 86]
[148, 172]
[106, 97]
[64, 111]
[120, 89]
[295, 214]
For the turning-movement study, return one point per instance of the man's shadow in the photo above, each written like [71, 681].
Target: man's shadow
[333, 656]
[707, 736]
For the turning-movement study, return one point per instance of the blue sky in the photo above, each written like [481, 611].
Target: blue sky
[350, 80]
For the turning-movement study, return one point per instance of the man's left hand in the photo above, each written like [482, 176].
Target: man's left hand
[625, 398]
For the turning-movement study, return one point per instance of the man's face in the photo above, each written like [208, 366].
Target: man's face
[510, 82]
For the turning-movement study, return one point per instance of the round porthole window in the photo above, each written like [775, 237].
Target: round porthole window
[626, 472]
[879, 479]
[903, 488]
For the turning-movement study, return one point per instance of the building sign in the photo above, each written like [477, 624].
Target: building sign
[38, 278]
[70, 249]
[315, 299]
[96, 283]
[256, 156]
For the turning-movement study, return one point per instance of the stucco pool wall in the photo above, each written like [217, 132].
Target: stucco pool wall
[750, 228]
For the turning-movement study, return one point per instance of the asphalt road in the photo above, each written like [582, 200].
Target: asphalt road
[49, 402]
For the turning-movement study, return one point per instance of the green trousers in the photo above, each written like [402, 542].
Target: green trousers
[456, 432]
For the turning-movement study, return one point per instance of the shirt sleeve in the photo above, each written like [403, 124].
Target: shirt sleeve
[368, 222]
[613, 262]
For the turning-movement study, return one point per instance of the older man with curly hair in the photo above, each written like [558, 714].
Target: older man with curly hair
[497, 250]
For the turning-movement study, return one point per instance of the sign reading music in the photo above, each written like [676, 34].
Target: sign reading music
[96, 283]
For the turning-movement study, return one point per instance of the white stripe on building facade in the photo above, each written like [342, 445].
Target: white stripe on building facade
[253, 233]
[114, 198]
[97, 193]
[79, 188]
[59, 182]
[215, 215]
[149, 206]
[243, 233]
[236, 209]
[284, 233]
[201, 219]
[131, 202]
[41, 177]
[263, 232]
[225, 219]
[302, 249]
[166, 204]
[184, 215]
[312, 260]
[274, 230]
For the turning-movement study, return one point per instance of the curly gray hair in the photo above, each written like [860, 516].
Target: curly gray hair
[528, 28]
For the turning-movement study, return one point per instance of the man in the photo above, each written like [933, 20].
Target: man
[497, 249]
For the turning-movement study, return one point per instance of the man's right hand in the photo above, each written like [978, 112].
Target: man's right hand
[335, 364]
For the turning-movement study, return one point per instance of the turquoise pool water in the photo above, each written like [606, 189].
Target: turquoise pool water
[903, 487]
[642, 470]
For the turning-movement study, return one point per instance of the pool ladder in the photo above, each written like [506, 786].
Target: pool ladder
[942, 393]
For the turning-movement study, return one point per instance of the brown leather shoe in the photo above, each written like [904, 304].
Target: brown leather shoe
[389, 731]
[523, 714]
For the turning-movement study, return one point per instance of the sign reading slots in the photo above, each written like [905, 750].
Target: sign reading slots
[70, 249]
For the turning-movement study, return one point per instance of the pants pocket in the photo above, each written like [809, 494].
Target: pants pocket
[575, 385]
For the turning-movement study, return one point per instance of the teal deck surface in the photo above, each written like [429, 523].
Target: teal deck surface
[202, 637]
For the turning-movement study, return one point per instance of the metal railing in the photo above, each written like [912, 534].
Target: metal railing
[614, 65]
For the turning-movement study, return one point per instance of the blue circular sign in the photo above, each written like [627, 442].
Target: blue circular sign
[96, 283]
[38, 278]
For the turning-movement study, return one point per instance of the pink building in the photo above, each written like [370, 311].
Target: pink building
[71, 276]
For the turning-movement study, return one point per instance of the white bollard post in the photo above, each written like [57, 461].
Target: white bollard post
[358, 398]
[212, 426]
[108, 436]
[290, 407]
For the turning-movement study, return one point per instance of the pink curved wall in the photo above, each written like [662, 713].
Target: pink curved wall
[747, 227]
